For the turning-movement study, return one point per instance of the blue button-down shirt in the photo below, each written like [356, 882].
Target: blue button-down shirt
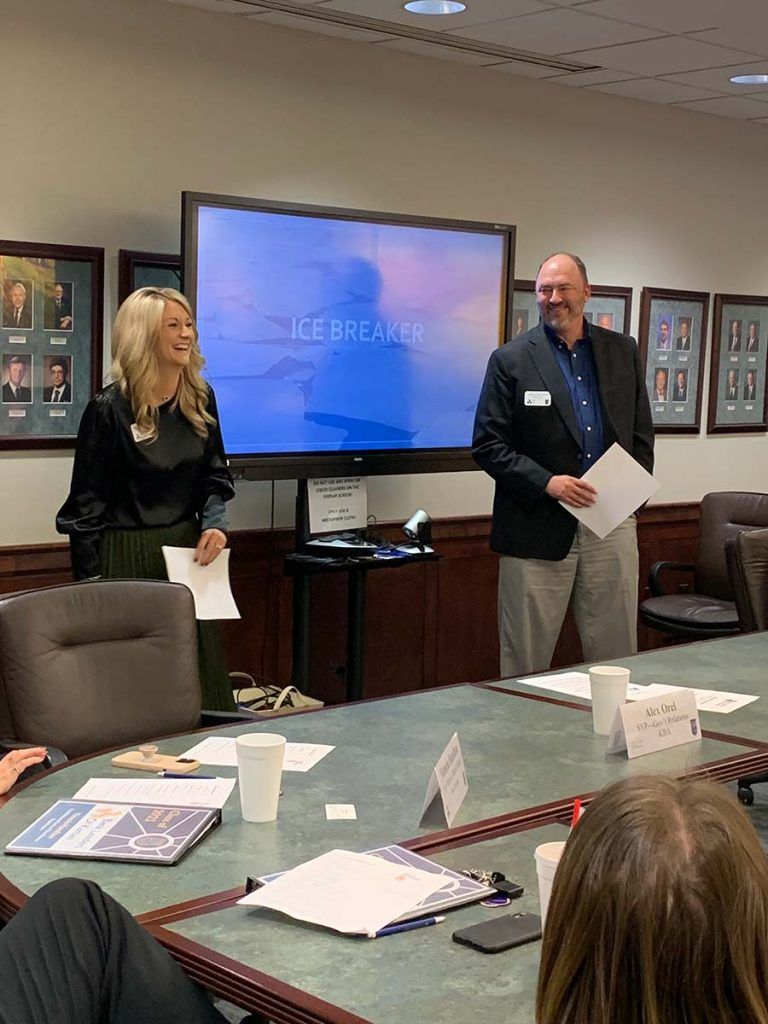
[580, 375]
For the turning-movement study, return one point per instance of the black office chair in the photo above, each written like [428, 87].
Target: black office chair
[747, 559]
[709, 610]
[99, 664]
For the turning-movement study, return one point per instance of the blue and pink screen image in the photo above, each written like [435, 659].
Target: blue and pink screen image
[335, 335]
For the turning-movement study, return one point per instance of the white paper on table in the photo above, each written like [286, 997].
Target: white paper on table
[573, 684]
[209, 583]
[340, 812]
[165, 792]
[221, 750]
[720, 701]
[622, 486]
[354, 893]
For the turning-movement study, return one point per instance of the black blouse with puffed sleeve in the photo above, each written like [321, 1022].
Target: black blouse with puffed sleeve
[121, 483]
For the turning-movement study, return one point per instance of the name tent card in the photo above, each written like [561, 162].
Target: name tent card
[645, 726]
[447, 787]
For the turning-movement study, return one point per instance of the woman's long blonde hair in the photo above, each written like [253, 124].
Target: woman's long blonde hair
[134, 361]
[659, 911]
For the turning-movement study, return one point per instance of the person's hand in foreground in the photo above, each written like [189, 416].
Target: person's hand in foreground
[15, 762]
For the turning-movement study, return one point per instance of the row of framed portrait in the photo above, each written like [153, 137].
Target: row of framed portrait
[51, 333]
[51, 322]
[672, 340]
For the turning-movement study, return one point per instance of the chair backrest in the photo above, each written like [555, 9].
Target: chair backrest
[92, 665]
[724, 514]
[747, 557]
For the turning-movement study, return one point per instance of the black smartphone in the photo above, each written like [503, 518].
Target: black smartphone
[500, 933]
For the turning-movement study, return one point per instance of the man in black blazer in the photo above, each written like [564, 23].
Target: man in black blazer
[553, 401]
[13, 389]
[17, 311]
[61, 390]
[58, 308]
[750, 390]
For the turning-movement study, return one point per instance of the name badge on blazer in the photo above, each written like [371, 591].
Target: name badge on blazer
[537, 398]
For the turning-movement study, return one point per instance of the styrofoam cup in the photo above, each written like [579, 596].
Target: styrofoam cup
[547, 858]
[608, 686]
[259, 771]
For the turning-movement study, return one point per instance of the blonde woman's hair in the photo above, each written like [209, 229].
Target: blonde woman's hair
[134, 361]
[659, 911]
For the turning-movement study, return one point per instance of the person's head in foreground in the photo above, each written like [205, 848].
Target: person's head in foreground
[659, 911]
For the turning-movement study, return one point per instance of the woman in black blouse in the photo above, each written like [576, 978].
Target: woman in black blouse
[149, 464]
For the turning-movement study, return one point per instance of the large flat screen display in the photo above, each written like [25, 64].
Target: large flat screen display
[343, 341]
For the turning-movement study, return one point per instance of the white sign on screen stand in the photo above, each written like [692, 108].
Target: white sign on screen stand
[447, 787]
[658, 723]
[338, 504]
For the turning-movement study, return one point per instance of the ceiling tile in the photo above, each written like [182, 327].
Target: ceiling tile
[663, 56]
[599, 77]
[665, 15]
[443, 52]
[729, 106]
[718, 78]
[326, 28]
[751, 35]
[480, 11]
[553, 32]
[655, 90]
[221, 6]
[522, 67]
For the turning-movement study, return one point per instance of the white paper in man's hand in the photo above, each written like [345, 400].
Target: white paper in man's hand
[209, 583]
[622, 486]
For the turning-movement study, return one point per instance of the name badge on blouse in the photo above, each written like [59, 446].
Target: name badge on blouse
[138, 435]
[539, 398]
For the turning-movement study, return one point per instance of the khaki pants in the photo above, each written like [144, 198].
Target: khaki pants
[534, 594]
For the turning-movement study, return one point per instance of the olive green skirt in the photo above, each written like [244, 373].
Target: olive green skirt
[136, 555]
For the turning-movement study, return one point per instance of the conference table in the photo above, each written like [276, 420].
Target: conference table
[528, 753]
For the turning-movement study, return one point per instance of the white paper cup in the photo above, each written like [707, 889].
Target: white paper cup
[608, 686]
[259, 770]
[547, 858]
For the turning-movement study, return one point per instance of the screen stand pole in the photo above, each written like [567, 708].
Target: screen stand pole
[302, 596]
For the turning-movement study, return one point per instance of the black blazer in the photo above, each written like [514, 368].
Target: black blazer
[65, 397]
[521, 446]
[24, 393]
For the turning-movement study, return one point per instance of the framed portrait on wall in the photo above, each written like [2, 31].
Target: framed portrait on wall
[737, 381]
[50, 341]
[146, 269]
[672, 339]
[610, 306]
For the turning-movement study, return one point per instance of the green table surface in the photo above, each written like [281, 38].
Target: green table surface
[410, 978]
[519, 753]
[738, 664]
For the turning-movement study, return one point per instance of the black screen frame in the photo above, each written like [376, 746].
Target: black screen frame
[302, 466]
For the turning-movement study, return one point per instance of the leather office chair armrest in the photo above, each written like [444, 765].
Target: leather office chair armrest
[214, 718]
[654, 573]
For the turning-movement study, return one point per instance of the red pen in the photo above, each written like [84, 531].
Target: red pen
[577, 810]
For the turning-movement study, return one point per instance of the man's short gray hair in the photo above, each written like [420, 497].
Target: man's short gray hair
[580, 264]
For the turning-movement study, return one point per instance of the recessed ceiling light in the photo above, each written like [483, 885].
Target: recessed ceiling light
[435, 7]
[749, 79]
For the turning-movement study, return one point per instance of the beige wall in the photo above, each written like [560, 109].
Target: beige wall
[124, 103]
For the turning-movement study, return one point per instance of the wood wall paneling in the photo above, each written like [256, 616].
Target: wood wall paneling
[429, 624]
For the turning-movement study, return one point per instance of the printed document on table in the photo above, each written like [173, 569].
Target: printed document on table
[573, 684]
[720, 701]
[209, 583]
[622, 486]
[166, 792]
[221, 750]
[576, 684]
[353, 893]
